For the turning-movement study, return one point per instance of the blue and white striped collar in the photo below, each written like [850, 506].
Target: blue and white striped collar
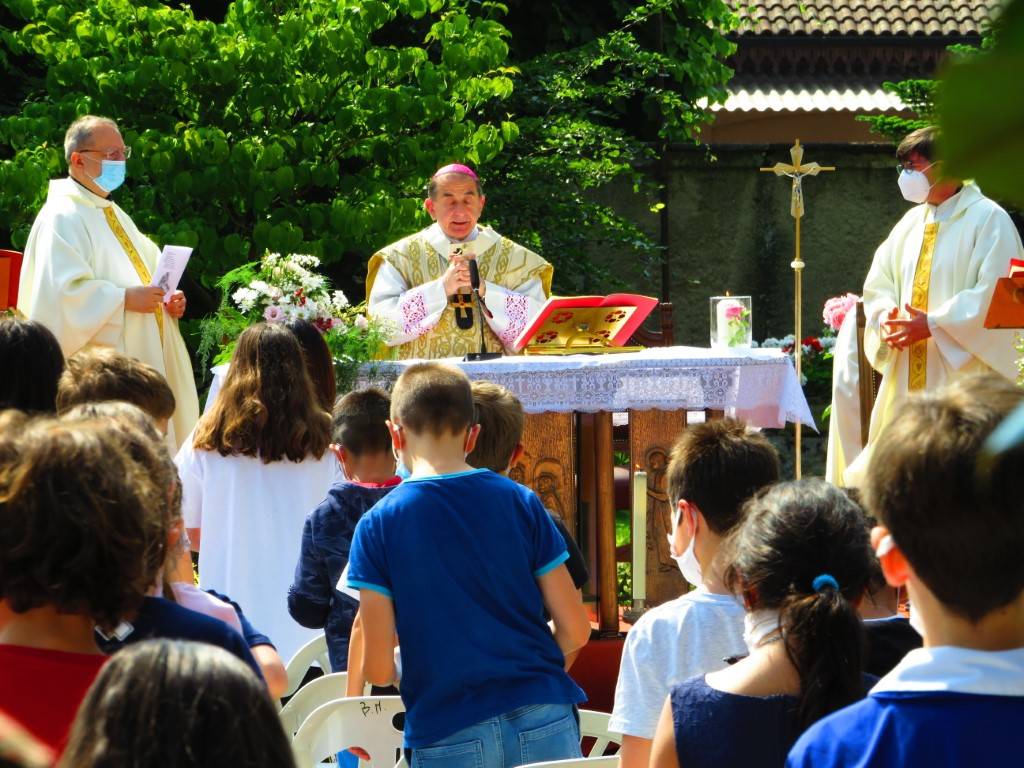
[958, 670]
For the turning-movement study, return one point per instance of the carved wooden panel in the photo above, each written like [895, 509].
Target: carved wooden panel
[651, 437]
[548, 465]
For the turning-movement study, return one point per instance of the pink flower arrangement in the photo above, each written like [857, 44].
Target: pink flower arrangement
[836, 309]
[733, 311]
[273, 314]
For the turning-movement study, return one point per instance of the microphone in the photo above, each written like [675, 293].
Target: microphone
[474, 282]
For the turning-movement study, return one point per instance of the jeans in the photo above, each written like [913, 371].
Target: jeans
[526, 735]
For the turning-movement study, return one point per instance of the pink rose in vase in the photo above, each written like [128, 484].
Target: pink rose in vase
[733, 311]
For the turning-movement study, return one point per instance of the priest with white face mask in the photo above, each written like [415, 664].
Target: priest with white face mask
[87, 270]
[422, 283]
[929, 287]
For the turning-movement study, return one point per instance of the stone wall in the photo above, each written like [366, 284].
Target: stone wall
[730, 230]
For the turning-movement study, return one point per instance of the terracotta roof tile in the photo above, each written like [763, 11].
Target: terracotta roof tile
[922, 18]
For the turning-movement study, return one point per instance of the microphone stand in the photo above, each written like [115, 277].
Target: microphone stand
[481, 308]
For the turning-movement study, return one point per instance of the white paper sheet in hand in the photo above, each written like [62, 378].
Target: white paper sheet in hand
[170, 267]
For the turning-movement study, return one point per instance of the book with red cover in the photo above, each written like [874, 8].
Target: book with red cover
[1006, 310]
[584, 322]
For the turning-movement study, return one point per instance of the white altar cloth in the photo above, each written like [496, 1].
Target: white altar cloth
[757, 386]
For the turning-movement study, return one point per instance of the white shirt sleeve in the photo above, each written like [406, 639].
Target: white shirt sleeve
[642, 686]
[190, 471]
[412, 312]
[512, 309]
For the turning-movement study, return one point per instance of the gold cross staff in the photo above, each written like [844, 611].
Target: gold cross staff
[796, 171]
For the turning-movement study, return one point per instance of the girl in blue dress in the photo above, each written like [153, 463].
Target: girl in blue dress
[800, 561]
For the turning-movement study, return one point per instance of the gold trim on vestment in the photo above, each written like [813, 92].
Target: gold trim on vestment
[414, 258]
[917, 374]
[136, 260]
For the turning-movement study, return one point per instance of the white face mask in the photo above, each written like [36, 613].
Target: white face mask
[758, 625]
[401, 470]
[914, 185]
[687, 562]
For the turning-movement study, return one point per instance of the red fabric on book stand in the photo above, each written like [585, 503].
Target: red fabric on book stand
[10, 273]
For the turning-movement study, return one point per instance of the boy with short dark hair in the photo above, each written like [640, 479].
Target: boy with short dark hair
[461, 563]
[99, 374]
[952, 532]
[499, 446]
[361, 441]
[714, 468]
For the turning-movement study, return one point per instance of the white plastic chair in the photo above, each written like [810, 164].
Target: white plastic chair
[313, 652]
[309, 697]
[366, 722]
[611, 761]
[595, 725]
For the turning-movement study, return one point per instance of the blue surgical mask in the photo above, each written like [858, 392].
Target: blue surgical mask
[112, 173]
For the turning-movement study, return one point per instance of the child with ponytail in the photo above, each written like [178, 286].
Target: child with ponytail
[800, 562]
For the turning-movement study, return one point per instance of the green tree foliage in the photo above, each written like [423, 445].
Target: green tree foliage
[981, 111]
[919, 97]
[602, 90]
[294, 127]
[311, 125]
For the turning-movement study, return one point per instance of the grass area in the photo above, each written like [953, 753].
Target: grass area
[623, 527]
[623, 571]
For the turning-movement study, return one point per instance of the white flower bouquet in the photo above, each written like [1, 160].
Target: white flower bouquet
[280, 288]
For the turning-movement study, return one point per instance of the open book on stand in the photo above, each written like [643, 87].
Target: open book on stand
[569, 325]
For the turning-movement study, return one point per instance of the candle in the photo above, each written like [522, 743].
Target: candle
[722, 330]
[730, 321]
[639, 535]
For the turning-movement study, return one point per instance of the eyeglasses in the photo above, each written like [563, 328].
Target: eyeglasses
[900, 167]
[112, 154]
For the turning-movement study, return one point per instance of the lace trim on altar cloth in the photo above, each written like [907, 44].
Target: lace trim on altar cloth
[414, 312]
[758, 386]
[516, 307]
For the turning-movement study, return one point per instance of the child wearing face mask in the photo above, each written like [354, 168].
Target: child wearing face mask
[362, 444]
[800, 561]
[715, 467]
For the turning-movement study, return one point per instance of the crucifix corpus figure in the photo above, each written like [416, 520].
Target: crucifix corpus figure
[797, 170]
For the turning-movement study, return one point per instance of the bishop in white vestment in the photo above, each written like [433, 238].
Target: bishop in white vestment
[943, 260]
[421, 283]
[83, 259]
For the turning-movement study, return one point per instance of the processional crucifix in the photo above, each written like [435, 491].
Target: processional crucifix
[796, 171]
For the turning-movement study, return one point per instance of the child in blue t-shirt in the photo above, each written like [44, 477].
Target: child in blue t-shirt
[461, 563]
[952, 532]
[361, 441]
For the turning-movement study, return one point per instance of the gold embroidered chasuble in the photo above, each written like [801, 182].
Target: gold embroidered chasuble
[518, 281]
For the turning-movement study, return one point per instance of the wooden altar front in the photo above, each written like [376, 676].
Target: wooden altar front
[569, 459]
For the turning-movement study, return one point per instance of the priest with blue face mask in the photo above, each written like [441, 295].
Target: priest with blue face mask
[87, 269]
[929, 287]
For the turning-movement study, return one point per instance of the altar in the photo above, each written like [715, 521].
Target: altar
[569, 458]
